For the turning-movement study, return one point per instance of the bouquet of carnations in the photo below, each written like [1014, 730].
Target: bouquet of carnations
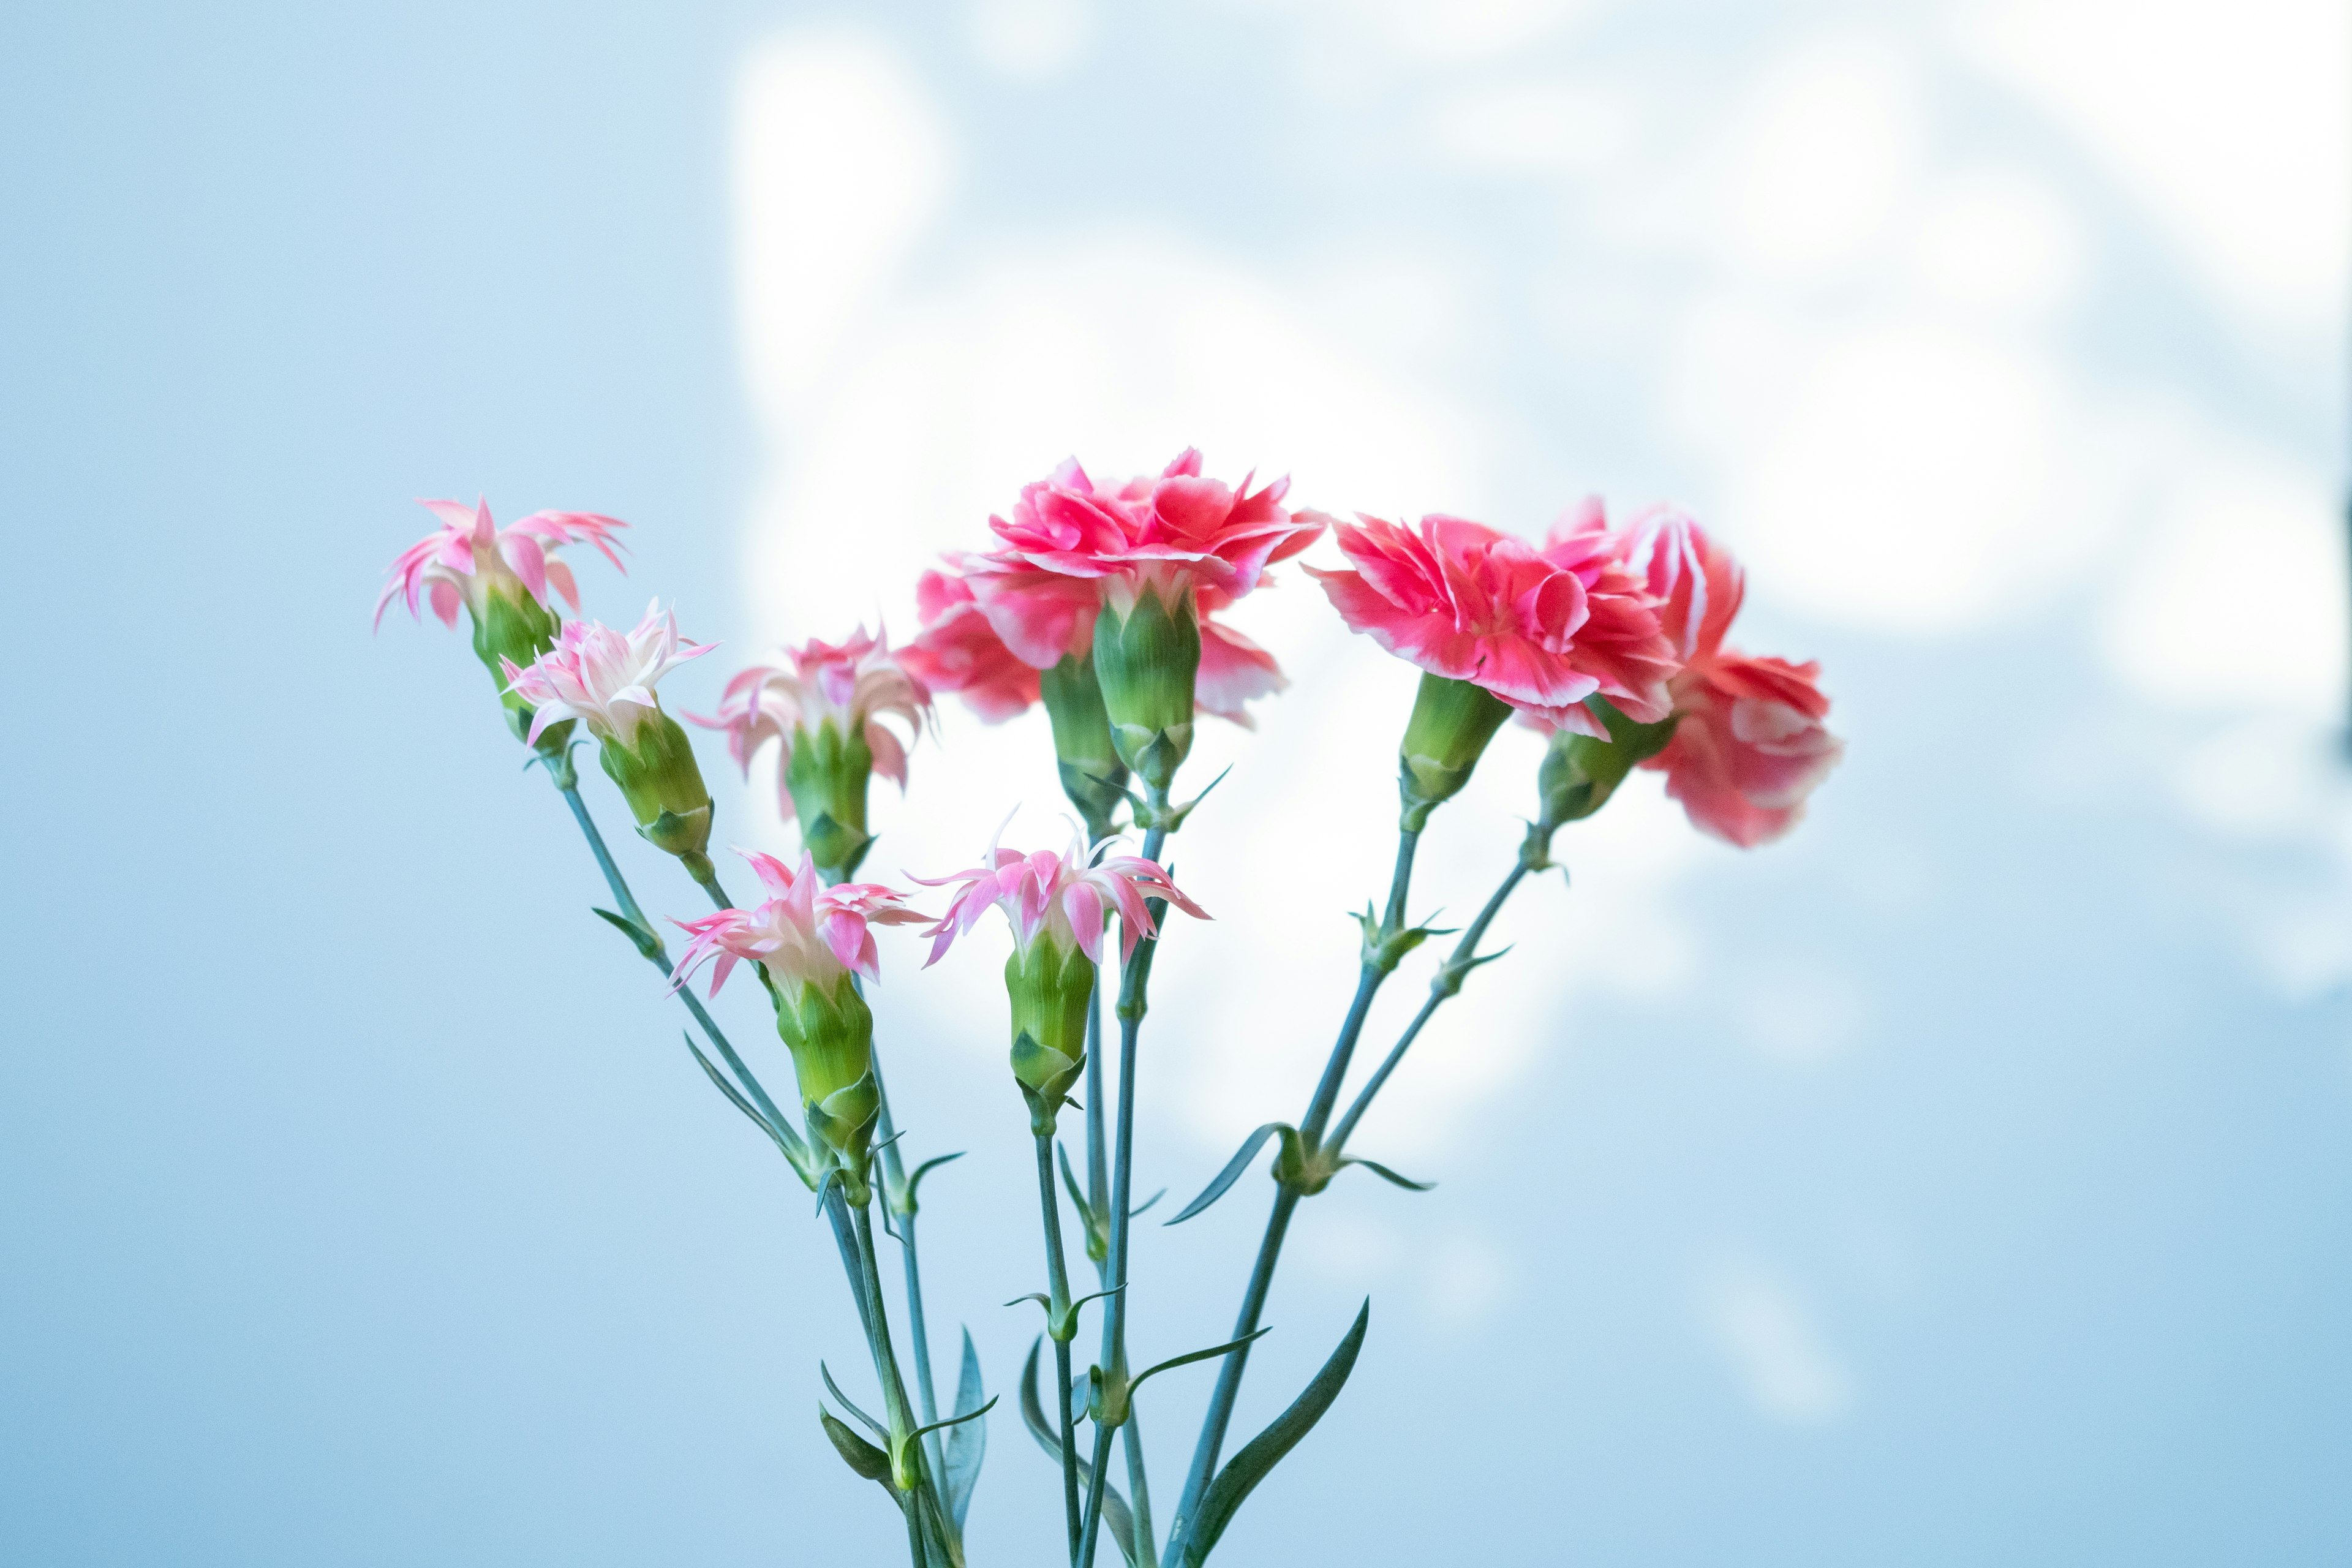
[1103, 603]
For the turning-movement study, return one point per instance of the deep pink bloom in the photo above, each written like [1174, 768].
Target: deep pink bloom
[1751, 744]
[1541, 629]
[457, 564]
[805, 935]
[603, 676]
[958, 651]
[1073, 545]
[1059, 897]
[855, 684]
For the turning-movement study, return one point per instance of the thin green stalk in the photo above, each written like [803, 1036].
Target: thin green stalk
[885, 1359]
[1220, 1413]
[1133, 988]
[1448, 980]
[1139, 1488]
[1058, 1287]
[1097, 1147]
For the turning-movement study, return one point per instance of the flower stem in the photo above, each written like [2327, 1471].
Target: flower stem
[1097, 1150]
[885, 1359]
[1057, 1289]
[1134, 986]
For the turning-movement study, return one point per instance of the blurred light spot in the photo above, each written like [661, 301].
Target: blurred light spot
[1529, 127]
[1032, 37]
[2231, 123]
[1801, 1012]
[2000, 242]
[839, 160]
[1823, 156]
[1766, 1330]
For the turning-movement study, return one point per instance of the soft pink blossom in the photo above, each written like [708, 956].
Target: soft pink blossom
[1541, 629]
[855, 684]
[805, 935]
[1059, 897]
[1073, 545]
[456, 565]
[1750, 744]
[603, 676]
[958, 651]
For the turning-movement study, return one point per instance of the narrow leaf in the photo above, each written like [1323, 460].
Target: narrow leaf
[644, 941]
[1070, 1179]
[1231, 1173]
[1194, 1356]
[1147, 1203]
[843, 1400]
[736, 1098]
[1246, 1469]
[967, 1445]
[860, 1455]
[1384, 1173]
[915, 1177]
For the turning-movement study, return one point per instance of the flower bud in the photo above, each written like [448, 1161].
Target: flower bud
[830, 1032]
[1093, 777]
[826, 771]
[1146, 659]
[656, 770]
[1580, 773]
[1452, 723]
[1051, 987]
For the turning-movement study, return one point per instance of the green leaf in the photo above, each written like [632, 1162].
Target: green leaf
[967, 1445]
[903, 1201]
[1245, 1469]
[843, 1400]
[1070, 1181]
[1232, 1171]
[952, 1420]
[1115, 1513]
[1194, 1356]
[647, 944]
[860, 1455]
[1384, 1173]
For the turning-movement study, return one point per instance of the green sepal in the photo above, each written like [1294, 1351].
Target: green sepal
[859, 1455]
[1580, 773]
[1050, 991]
[1304, 1168]
[1061, 1326]
[658, 777]
[1092, 775]
[1385, 947]
[1147, 662]
[1197, 1536]
[1450, 975]
[1450, 723]
[512, 625]
[827, 775]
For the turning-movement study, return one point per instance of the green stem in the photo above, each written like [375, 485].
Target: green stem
[1220, 1413]
[1057, 1289]
[1097, 1146]
[885, 1359]
[1134, 986]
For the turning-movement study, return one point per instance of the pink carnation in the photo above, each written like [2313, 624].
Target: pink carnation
[603, 676]
[1541, 629]
[805, 935]
[855, 684]
[457, 564]
[1073, 545]
[1060, 897]
[1751, 744]
[958, 651]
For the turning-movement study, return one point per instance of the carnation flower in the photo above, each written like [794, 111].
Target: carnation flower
[1061, 898]
[469, 558]
[603, 676]
[805, 935]
[824, 708]
[958, 651]
[1541, 630]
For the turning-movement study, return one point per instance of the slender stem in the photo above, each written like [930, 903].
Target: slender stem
[895, 1181]
[1098, 1150]
[1133, 988]
[1438, 989]
[1220, 1413]
[1057, 1289]
[885, 1359]
[1139, 1488]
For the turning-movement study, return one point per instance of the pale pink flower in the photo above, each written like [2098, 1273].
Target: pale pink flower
[958, 651]
[457, 564]
[855, 684]
[1072, 546]
[1749, 744]
[602, 676]
[805, 935]
[1465, 601]
[1058, 897]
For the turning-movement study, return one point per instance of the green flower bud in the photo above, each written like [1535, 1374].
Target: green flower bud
[1093, 777]
[830, 1032]
[1052, 990]
[1580, 773]
[660, 779]
[827, 774]
[1452, 723]
[1146, 661]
